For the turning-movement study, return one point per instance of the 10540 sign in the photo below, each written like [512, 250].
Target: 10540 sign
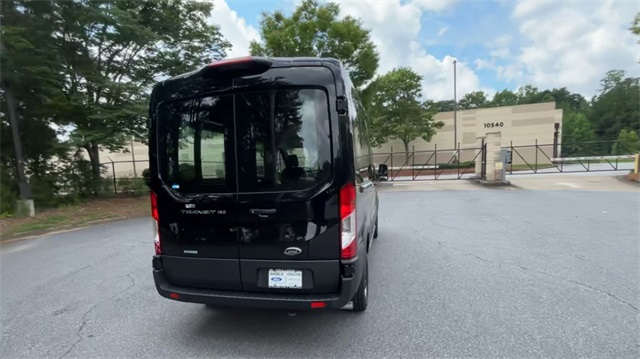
[493, 124]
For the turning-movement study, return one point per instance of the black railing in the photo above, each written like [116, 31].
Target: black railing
[122, 177]
[431, 164]
[590, 156]
[125, 177]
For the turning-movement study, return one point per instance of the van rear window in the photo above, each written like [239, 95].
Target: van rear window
[249, 142]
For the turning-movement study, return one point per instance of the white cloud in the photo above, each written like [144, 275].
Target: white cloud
[435, 5]
[484, 64]
[500, 53]
[395, 28]
[501, 41]
[572, 44]
[234, 28]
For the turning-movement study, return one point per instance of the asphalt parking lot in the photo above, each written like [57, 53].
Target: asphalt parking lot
[456, 272]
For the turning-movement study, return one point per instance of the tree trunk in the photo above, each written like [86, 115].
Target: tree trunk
[406, 151]
[23, 185]
[94, 157]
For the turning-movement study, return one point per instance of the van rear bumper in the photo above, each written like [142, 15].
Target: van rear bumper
[348, 287]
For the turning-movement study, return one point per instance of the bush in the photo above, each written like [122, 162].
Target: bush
[8, 198]
[130, 185]
[45, 191]
[76, 178]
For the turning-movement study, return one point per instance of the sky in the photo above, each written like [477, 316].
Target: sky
[499, 44]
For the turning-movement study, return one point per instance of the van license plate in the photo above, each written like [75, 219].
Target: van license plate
[285, 278]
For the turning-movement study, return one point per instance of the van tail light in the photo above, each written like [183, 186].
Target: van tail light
[349, 243]
[154, 214]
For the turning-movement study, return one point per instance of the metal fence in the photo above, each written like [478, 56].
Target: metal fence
[444, 164]
[590, 156]
[125, 177]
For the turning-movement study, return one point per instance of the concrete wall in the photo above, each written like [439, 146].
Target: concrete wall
[523, 124]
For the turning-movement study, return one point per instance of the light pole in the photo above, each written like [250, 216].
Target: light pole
[455, 107]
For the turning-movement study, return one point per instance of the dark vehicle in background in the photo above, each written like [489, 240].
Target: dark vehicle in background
[262, 185]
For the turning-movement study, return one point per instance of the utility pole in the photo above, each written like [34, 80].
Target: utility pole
[133, 157]
[455, 107]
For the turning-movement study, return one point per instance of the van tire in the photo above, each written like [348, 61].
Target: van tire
[361, 298]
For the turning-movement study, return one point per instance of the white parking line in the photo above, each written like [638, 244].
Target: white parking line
[568, 184]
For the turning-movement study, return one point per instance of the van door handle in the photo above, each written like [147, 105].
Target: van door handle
[263, 212]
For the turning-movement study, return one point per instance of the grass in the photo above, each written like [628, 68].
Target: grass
[74, 216]
[525, 167]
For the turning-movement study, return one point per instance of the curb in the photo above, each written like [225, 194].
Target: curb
[53, 231]
[485, 183]
[625, 179]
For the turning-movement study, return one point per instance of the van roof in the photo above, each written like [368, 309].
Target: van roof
[275, 63]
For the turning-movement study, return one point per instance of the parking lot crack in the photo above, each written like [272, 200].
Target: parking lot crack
[86, 314]
[580, 284]
[544, 273]
[469, 253]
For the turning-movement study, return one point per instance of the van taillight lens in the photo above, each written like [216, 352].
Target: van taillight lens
[154, 214]
[349, 243]
[232, 61]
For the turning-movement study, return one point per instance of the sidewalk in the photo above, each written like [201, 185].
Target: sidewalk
[548, 182]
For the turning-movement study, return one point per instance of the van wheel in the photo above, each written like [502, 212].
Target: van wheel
[375, 232]
[361, 298]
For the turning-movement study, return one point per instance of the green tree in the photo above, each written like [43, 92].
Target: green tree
[616, 106]
[568, 101]
[627, 143]
[577, 136]
[113, 51]
[504, 98]
[396, 110]
[443, 106]
[316, 30]
[530, 94]
[31, 81]
[472, 100]
[635, 26]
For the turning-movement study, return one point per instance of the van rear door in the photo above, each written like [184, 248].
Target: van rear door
[196, 157]
[287, 214]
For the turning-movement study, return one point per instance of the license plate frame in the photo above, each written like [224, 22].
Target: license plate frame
[284, 279]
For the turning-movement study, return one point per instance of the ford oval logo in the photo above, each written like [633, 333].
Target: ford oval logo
[276, 279]
[292, 251]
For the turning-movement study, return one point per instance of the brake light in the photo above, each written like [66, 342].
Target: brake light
[240, 66]
[318, 305]
[237, 60]
[154, 214]
[349, 243]
[154, 206]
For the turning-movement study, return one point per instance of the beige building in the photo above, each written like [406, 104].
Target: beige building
[519, 125]
[523, 124]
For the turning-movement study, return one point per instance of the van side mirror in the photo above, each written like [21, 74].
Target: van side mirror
[383, 172]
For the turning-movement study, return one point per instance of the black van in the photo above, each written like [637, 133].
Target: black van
[262, 185]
